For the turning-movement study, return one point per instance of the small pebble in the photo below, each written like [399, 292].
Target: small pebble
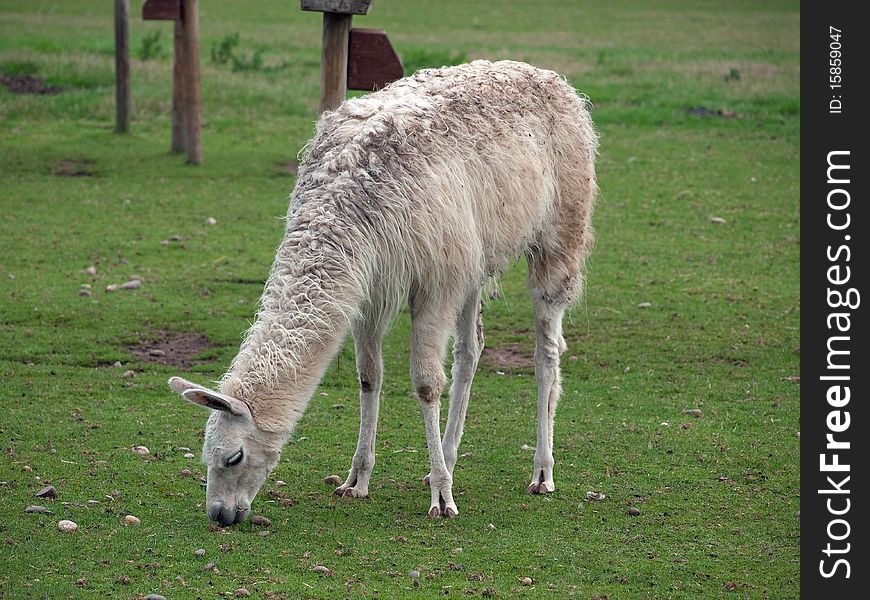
[414, 574]
[280, 483]
[27, 469]
[155, 597]
[164, 242]
[67, 526]
[208, 567]
[457, 551]
[211, 221]
[48, 491]
[264, 534]
[128, 374]
[644, 305]
[131, 285]
[595, 496]
[117, 364]
[633, 511]
[140, 450]
[333, 480]
[322, 570]
[260, 520]
[693, 412]
[156, 352]
[131, 520]
[490, 527]
[85, 293]
[338, 406]
[81, 581]
[199, 552]
[85, 286]
[718, 220]
[185, 472]
[35, 508]
[526, 581]
[91, 270]
[242, 592]
[189, 455]
[526, 447]
[112, 288]
[174, 238]
[183, 449]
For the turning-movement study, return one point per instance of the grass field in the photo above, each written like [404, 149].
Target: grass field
[698, 109]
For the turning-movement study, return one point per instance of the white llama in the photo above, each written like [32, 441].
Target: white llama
[421, 192]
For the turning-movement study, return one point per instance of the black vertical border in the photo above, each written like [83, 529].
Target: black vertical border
[821, 133]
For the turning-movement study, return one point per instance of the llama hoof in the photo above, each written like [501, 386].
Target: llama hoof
[350, 492]
[443, 507]
[542, 487]
[448, 512]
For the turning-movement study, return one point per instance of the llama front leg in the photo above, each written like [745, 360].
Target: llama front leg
[367, 340]
[549, 345]
[429, 332]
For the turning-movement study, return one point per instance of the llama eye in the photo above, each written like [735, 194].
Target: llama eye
[235, 458]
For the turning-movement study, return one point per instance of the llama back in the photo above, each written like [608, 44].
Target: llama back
[449, 175]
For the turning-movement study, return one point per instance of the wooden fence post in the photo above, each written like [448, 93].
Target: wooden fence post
[122, 66]
[190, 99]
[178, 87]
[333, 63]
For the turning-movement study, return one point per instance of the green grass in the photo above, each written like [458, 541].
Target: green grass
[717, 500]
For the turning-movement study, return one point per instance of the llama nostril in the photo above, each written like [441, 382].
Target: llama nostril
[241, 514]
[215, 511]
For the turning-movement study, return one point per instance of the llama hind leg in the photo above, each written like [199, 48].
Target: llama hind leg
[548, 347]
[430, 327]
[466, 351]
[554, 284]
[367, 340]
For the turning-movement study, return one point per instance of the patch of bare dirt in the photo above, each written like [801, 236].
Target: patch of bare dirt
[176, 350]
[508, 357]
[28, 84]
[75, 167]
[291, 167]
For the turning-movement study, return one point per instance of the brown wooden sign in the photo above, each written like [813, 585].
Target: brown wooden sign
[346, 7]
[371, 63]
[161, 10]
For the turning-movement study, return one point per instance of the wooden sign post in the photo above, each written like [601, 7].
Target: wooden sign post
[357, 59]
[122, 66]
[186, 112]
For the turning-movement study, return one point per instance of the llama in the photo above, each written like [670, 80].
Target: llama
[422, 192]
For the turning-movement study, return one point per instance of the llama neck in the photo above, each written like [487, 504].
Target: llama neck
[304, 314]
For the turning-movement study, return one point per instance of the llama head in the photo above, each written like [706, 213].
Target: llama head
[238, 454]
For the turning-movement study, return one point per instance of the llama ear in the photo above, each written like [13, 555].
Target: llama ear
[207, 398]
